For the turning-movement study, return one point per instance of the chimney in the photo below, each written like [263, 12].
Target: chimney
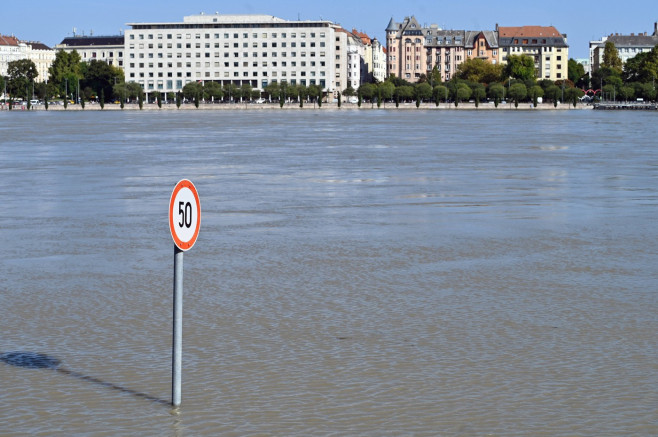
[632, 34]
[655, 28]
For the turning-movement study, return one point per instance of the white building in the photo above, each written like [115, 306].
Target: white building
[108, 49]
[378, 61]
[12, 49]
[628, 46]
[239, 49]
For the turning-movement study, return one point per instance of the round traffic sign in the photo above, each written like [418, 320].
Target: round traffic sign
[184, 215]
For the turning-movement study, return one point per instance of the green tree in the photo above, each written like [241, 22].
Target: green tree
[98, 75]
[213, 90]
[517, 92]
[463, 93]
[479, 93]
[387, 88]
[627, 93]
[179, 99]
[65, 66]
[642, 68]
[230, 91]
[573, 94]
[535, 93]
[245, 91]
[272, 90]
[496, 92]
[158, 98]
[480, 71]
[21, 75]
[553, 94]
[101, 99]
[367, 91]
[349, 91]
[191, 90]
[339, 99]
[645, 91]
[576, 71]
[404, 92]
[611, 57]
[520, 67]
[423, 91]
[440, 92]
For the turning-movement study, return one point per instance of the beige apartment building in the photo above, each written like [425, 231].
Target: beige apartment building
[414, 50]
[545, 44]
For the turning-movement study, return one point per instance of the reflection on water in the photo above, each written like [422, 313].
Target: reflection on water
[389, 273]
[32, 360]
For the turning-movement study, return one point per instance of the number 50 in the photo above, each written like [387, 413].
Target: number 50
[185, 212]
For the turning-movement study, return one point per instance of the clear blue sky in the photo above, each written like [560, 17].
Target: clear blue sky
[51, 21]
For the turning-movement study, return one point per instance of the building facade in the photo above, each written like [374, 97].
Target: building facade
[109, 49]
[43, 57]
[13, 49]
[482, 45]
[545, 45]
[238, 49]
[378, 61]
[413, 50]
[628, 46]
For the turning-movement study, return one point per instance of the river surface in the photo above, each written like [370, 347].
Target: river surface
[379, 273]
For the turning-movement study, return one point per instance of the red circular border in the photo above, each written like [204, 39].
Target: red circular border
[184, 245]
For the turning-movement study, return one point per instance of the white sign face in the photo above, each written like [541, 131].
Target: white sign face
[184, 215]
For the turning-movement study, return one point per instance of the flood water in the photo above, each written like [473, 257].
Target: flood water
[357, 273]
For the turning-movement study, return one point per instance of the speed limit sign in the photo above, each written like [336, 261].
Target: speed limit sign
[184, 215]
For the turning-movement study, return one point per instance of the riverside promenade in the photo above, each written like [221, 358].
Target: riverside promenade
[295, 106]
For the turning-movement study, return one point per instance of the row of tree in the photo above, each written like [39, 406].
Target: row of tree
[475, 80]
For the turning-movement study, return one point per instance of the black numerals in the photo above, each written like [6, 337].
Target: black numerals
[185, 212]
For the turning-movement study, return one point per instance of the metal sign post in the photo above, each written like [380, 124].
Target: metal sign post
[184, 224]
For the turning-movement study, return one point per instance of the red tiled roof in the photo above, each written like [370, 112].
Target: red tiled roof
[528, 31]
[364, 37]
[8, 40]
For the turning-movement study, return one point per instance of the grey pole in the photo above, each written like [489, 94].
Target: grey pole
[178, 328]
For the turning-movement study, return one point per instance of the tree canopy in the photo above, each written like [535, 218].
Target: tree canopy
[21, 75]
[520, 67]
[479, 70]
[611, 57]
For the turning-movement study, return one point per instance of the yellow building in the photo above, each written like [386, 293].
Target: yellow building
[545, 45]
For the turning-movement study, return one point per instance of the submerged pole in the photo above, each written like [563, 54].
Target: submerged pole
[177, 346]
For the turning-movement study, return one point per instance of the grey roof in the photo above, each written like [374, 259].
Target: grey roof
[490, 35]
[440, 37]
[392, 25]
[79, 41]
[36, 45]
[633, 40]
